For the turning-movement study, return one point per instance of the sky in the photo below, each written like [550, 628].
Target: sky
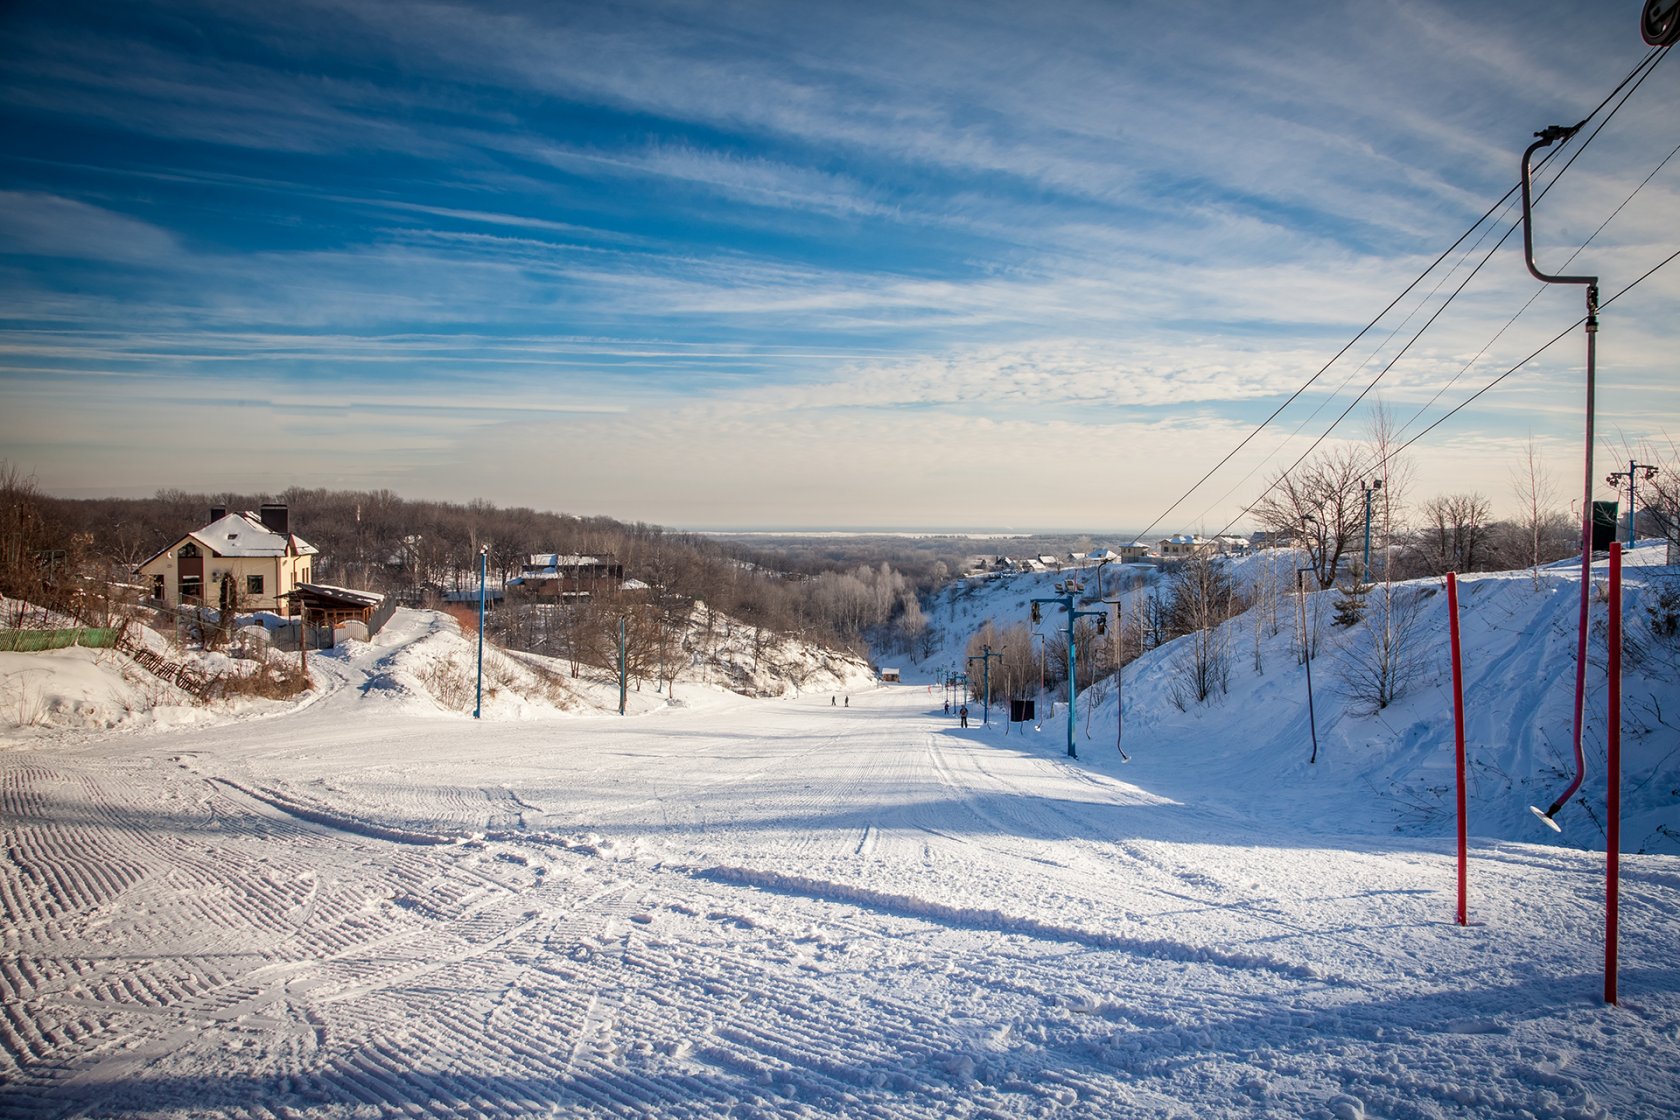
[794, 265]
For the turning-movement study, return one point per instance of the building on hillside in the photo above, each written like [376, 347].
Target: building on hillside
[1185, 545]
[252, 560]
[1266, 538]
[557, 576]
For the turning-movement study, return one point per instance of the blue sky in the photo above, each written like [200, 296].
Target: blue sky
[803, 264]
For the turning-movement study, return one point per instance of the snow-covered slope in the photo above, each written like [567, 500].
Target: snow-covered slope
[367, 903]
[1390, 768]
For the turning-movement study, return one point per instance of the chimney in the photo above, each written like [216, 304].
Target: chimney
[276, 518]
[217, 513]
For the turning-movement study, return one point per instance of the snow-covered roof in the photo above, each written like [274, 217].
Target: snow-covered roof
[242, 535]
[342, 594]
[559, 560]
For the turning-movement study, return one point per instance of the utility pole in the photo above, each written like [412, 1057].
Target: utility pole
[985, 659]
[1615, 479]
[1365, 570]
[1066, 599]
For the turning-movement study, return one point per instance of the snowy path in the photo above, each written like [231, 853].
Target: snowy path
[770, 908]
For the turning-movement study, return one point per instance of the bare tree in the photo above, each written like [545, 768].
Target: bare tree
[1202, 598]
[1454, 536]
[1382, 662]
[1534, 494]
[1321, 504]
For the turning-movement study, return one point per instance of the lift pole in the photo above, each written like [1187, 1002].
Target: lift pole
[1066, 600]
[985, 659]
[1546, 138]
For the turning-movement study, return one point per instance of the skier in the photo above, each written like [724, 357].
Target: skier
[962, 713]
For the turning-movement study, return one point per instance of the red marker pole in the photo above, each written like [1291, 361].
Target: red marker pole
[1458, 740]
[1613, 828]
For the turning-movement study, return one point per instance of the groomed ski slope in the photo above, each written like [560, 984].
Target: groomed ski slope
[362, 905]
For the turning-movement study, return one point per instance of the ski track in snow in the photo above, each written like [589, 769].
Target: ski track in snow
[367, 907]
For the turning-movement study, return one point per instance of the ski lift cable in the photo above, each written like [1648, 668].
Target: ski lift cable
[1559, 337]
[1645, 64]
[1382, 462]
[1256, 468]
[1537, 291]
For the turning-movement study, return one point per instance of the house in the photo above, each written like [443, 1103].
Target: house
[556, 576]
[1185, 545]
[254, 556]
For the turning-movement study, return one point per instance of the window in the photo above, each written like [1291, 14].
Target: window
[253, 585]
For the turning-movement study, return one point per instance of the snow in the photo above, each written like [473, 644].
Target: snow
[368, 903]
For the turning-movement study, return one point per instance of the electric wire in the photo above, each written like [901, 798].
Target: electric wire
[1383, 460]
[1560, 336]
[1636, 75]
[1648, 66]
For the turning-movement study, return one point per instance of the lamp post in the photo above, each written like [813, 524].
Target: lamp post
[1546, 138]
[483, 566]
[1066, 600]
[1365, 570]
[1615, 479]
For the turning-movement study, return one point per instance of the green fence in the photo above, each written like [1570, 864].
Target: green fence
[34, 641]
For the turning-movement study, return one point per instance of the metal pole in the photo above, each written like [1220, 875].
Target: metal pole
[1613, 806]
[623, 682]
[1073, 687]
[1458, 743]
[1545, 138]
[1119, 687]
[1306, 658]
[483, 564]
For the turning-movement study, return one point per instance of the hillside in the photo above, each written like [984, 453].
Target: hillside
[1388, 769]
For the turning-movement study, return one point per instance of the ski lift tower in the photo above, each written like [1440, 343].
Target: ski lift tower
[1066, 592]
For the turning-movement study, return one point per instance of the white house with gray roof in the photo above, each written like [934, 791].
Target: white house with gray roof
[255, 555]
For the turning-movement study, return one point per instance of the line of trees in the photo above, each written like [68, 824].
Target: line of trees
[53, 550]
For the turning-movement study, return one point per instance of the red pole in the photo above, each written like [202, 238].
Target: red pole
[1613, 829]
[1458, 742]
